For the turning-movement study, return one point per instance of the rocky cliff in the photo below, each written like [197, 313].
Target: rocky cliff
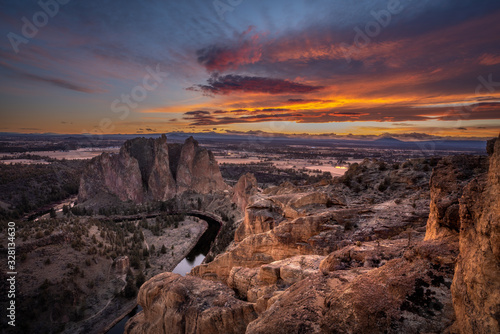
[350, 256]
[447, 183]
[197, 170]
[476, 285]
[151, 169]
[245, 188]
[177, 305]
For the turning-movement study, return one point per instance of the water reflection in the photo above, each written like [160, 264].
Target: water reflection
[186, 264]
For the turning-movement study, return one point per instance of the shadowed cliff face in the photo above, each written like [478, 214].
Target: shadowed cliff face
[476, 285]
[151, 169]
[448, 181]
[197, 170]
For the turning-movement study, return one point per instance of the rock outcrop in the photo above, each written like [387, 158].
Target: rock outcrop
[407, 295]
[121, 264]
[245, 188]
[448, 180]
[288, 221]
[317, 234]
[197, 170]
[151, 169]
[179, 305]
[476, 285]
[112, 174]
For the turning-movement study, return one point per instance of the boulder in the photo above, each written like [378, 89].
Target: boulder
[188, 305]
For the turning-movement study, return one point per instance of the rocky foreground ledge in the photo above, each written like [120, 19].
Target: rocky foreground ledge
[176, 304]
[361, 255]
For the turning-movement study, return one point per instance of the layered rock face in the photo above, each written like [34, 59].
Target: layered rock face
[151, 169]
[197, 170]
[287, 221]
[476, 285]
[448, 180]
[407, 295]
[245, 188]
[115, 174]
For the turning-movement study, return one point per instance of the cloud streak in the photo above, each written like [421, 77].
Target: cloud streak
[479, 111]
[227, 84]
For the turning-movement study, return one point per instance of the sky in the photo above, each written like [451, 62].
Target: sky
[413, 68]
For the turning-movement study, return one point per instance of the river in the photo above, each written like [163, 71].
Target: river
[194, 258]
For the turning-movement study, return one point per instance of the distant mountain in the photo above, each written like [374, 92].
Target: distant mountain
[388, 140]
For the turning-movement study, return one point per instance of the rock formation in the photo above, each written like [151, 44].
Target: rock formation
[448, 180]
[151, 169]
[245, 188]
[406, 295]
[197, 170]
[288, 221]
[178, 305]
[476, 285]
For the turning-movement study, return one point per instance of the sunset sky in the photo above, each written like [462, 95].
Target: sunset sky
[230, 66]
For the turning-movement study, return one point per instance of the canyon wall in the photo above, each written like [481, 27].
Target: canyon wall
[476, 285]
[151, 169]
[447, 183]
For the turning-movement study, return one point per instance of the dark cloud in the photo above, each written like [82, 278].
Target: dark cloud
[338, 113]
[199, 117]
[300, 101]
[275, 109]
[197, 113]
[205, 118]
[458, 42]
[220, 59]
[227, 84]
